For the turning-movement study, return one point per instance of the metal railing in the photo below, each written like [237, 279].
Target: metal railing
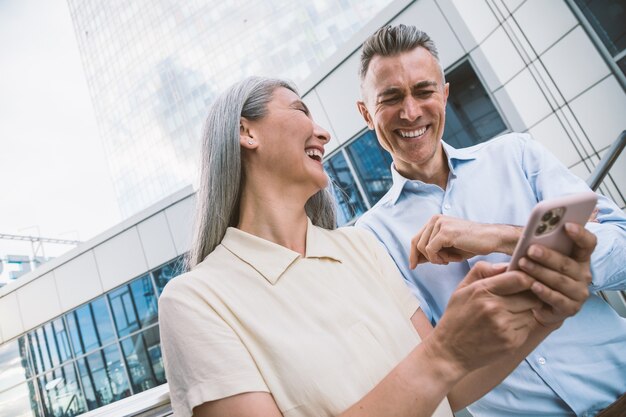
[607, 161]
[617, 299]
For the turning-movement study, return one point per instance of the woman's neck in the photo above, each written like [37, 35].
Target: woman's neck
[278, 218]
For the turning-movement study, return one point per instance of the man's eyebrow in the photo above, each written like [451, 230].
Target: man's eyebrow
[389, 91]
[424, 84]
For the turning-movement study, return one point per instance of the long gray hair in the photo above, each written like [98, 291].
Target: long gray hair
[221, 176]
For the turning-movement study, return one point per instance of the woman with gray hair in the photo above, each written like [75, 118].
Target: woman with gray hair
[282, 314]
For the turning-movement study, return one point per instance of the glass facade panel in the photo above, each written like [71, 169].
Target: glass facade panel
[103, 377]
[90, 326]
[371, 163]
[20, 401]
[62, 396]
[14, 364]
[62, 342]
[150, 115]
[349, 200]
[134, 306]
[143, 357]
[471, 117]
[168, 271]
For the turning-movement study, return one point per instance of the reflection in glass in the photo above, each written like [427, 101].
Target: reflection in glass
[20, 401]
[14, 368]
[61, 392]
[90, 326]
[62, 343]
[143, 357]
[168, 271]
[349, 200]
[371, 163]
[103, 377]
[471, 117]
[134, 306]
[607, 18]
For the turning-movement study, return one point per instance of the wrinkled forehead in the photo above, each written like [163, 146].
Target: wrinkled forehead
[405, 69]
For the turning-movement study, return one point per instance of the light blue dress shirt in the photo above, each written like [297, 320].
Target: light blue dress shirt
[581, 367]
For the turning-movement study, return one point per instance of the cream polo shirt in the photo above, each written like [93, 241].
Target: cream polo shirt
[317, 332]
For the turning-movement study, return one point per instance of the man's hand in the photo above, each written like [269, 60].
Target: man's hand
[445, 239]
[562, 281]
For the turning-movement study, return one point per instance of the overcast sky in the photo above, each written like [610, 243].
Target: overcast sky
[53, 175]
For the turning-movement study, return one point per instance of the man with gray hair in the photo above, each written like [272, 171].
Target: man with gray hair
[449, 208]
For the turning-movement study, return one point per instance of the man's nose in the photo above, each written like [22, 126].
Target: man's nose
[411, 109]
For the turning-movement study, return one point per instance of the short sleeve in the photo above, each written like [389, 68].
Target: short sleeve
[390, 274]
[204, 358]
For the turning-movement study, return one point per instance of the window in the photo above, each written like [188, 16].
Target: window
[471, 117]
[372, 164]
[20, 401]
[168, 271]
[90, 326]
[606, 18]
[61, 392]
[349, 200]
[134, 306]
[143, 357]
[14, 360]
[103, 373]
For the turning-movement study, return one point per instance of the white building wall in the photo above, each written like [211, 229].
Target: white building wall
[143, 242]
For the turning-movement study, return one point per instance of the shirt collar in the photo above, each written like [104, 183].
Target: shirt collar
[453, 156]
[272, 260]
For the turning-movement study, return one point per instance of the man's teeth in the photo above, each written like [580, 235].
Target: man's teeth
[314, 153]
[413, 133]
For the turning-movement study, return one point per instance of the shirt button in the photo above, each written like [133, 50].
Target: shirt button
[446, 206]
[542, 361]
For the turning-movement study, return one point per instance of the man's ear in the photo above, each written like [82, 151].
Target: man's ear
[366, 114]
[246, 139]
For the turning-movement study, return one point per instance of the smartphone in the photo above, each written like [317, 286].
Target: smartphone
[546, 224]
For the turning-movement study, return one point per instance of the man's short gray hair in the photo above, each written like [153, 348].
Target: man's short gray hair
[393, 40]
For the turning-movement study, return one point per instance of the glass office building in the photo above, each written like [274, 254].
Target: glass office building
[154, 66]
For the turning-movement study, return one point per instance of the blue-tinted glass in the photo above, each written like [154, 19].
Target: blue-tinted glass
[108, 378]
[88, 387]
[143, 357]
[61, 392]
[63, 343]
[134, 306]
[349, 201]
[103, 320]
[20, 401]
[52, 344]
[471, 117]
[14, 368]
[35, 352]
[74, 332]
[168, 271]
[607, 18]
[90, 326]
[43, 349]
[371, 163]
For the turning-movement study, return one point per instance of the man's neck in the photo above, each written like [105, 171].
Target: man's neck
[434, 171]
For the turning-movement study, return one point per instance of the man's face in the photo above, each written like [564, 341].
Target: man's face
[404, 102]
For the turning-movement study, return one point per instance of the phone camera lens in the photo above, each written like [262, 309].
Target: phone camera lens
[554, 220]
[542, 228]
[546, 216]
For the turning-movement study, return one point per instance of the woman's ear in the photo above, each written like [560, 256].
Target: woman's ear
[245, 136]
